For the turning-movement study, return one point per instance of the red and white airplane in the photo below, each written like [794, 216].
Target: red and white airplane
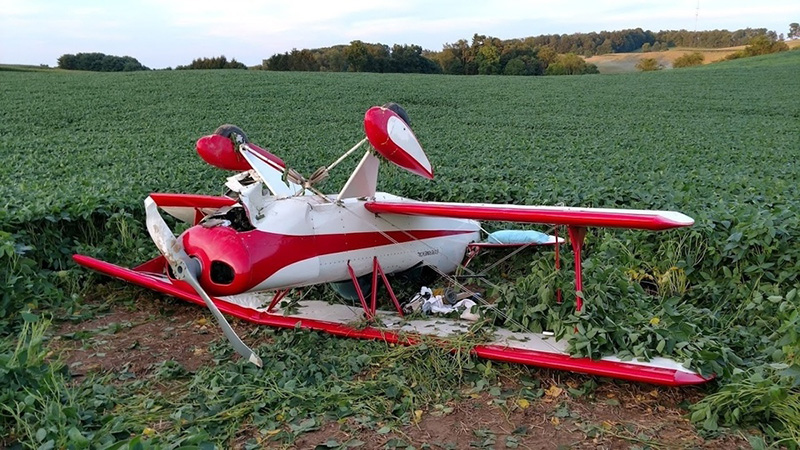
[274, 231]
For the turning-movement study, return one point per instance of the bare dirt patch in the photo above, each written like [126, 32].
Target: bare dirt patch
[136, 337]
[617, 417]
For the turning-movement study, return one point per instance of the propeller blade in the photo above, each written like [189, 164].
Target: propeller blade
[187, 269]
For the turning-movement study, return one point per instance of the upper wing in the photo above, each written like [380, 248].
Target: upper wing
[557, 215]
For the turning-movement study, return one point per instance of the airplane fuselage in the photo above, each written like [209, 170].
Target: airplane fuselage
[306, 240]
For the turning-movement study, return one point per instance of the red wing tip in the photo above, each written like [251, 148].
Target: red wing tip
[685, 378]
[80, 259]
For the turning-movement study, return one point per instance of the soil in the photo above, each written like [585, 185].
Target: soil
[618, 417]
[136, 338]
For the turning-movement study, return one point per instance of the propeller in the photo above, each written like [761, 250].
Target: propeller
[187, 269]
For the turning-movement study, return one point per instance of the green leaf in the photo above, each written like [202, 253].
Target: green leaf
[710, 423]
[77, 439]
[756, 442]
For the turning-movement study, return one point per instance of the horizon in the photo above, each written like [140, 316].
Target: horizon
[167, 35]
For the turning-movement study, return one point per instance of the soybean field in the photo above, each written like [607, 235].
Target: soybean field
[720, 143]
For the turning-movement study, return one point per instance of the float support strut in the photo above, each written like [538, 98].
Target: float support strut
[370, 309]
[276, 298]
[377, 269]
[558, 261]
[576, 238]
[367, 309]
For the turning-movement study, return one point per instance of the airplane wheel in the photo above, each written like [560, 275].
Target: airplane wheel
[399, 110]
[228, 130]
[347, 291]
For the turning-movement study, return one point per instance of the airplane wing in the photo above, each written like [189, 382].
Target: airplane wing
[190, 208]
[557, 215]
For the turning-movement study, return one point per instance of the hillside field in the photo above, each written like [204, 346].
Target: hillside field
[80, 151]
[626, 62]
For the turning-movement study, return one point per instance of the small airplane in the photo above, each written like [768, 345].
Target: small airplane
[274, 230]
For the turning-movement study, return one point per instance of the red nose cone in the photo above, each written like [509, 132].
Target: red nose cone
[219, 152]
[225, 261]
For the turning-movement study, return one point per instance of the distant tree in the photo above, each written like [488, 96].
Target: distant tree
[357, 55]
[452, 58]
[646, 47]
[409, 59]
[760, 45]
[219, 62]
[99, 62]
[488, 60]
[380, 56]
[515, 67]
[277, 62]
[763, 45]
[547, 55]
[606, 47]
[648, 65]
[302, 60]
[332, 59]
[570, 64]
[794, 30]
[688, 60]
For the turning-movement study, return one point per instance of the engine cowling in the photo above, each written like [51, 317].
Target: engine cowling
[226, 263]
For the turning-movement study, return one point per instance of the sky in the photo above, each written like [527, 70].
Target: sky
[168, 33]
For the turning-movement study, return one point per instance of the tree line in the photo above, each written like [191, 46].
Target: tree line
[555, 54]
[486, 55]
[357, 57]
[626, 41]
[99, 62]
[219, 62]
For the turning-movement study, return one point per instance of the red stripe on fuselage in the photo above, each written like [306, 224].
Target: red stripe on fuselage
[256, 255]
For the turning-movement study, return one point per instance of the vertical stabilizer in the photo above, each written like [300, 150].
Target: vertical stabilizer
[364, 180]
